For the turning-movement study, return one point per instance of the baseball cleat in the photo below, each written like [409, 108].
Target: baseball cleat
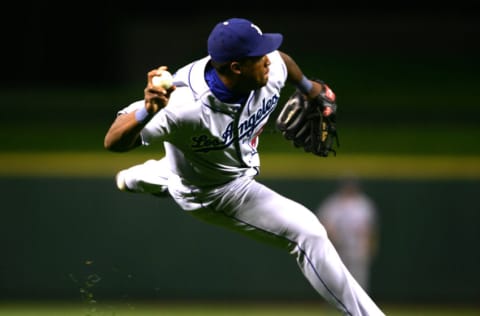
[120, 180]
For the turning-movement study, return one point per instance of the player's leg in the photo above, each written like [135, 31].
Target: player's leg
[149, 177]
[261, 213]
[359, 268]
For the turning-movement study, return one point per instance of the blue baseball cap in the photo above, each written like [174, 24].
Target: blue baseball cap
[237, 38]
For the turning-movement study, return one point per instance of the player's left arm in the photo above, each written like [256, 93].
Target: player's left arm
[308, 118]
[310, 88]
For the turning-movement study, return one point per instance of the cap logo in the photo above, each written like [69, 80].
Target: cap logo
[256, 28]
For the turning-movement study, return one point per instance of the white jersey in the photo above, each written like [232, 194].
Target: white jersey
[208, 142]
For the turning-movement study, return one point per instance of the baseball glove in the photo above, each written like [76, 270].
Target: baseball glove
[301, 122]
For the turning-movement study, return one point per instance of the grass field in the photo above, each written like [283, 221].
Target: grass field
[213, 309]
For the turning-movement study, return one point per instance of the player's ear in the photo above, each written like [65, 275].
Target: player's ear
[235, 67]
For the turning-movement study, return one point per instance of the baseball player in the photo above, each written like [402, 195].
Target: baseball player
[209, 122]
[350, 217]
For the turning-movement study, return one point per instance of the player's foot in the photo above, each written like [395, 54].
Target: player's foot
[139, 186]
[120, 180]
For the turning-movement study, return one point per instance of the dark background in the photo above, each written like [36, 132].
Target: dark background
[106, 42]
[412, 66]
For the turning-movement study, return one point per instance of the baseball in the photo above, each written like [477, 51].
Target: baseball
[164, 80]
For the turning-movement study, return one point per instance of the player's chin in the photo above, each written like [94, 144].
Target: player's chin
[263, 80]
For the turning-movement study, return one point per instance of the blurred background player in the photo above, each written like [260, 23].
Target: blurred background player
[350, 217]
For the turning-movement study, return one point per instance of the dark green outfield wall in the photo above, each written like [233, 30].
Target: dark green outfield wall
[58, 234]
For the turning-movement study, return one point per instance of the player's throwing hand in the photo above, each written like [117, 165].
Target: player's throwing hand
[157, 96]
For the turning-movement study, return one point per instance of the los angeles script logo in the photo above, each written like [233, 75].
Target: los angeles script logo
[246, 128]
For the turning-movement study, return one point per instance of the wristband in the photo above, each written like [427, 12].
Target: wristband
[142, 115]
[305, 85]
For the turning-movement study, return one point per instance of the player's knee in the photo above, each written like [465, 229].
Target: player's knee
[315, 236]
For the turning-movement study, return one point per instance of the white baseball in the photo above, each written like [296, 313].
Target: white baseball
[164, 80]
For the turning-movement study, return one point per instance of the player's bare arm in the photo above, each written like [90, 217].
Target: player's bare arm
[295, 77]
[124, 133]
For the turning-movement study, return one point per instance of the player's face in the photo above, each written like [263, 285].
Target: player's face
[254, 71]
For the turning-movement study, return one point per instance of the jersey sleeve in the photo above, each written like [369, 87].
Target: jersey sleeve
[165, 124]
[158, 129]
[132, 107]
